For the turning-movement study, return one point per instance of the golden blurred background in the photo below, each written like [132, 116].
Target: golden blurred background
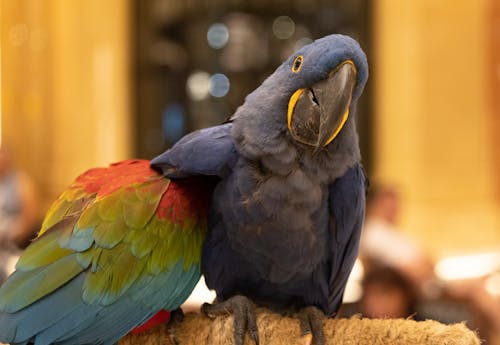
[436, 75]
[85, 83]
[68, 102]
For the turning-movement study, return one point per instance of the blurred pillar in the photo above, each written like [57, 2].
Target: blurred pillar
[494, 85]
[25, 89]
[432, 123]
[65, 85]
[90, 64]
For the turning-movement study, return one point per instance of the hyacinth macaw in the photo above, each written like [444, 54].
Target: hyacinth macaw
[285, 189]
[117, 246]
[286, 213]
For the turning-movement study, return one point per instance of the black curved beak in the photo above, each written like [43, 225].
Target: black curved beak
[318, 113]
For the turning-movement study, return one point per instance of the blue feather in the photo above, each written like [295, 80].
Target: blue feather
[208, 151]
[347, 206]
[64, 318]
[285, 217]
[43, 314]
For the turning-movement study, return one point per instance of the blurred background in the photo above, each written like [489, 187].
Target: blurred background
[87, 82]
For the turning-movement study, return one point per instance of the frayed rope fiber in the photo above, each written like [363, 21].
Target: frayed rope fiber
[197, 329]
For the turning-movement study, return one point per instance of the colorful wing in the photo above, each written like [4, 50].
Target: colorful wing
[118, 245]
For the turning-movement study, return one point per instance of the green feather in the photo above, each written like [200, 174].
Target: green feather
[153, 190]
[24, 288]
[89, 218]
[193, 245]
[90, 257]
[142, 242]
[45, 249]
[108, 234]
[111, 206]
[189, 224]
[163, 229]
[56, 212]
[137, 215]
[71, 202]
[117, 270]
[141, 202]
[116, 239]
[175, 249]
[158, 261]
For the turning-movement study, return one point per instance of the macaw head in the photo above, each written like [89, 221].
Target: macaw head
[309, 98]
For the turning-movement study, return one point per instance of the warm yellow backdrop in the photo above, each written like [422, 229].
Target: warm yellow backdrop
[433, 127]
[65, 72]
[65, 86]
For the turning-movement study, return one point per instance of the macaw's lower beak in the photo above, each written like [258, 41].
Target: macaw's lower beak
[317, 114]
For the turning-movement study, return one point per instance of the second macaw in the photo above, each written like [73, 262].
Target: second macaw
[119, 245]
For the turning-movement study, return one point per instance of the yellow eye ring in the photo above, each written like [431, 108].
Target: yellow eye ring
[297, 64]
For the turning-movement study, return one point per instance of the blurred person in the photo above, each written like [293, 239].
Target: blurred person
[484, 304]
[387, 294]
[18, 211]
[383, 243]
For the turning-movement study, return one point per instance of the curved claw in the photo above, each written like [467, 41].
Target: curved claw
[243, 310]
[176, 317]
[311, 325]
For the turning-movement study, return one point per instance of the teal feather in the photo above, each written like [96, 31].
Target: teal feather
[81, 240]
[178, 281]
[18, 291]
[90, 257]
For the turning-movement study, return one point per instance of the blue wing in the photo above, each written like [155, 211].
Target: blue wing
[208, 151]
[347, 210]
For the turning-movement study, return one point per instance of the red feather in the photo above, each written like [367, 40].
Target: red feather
[105, 181]
[186, 198]
[160, 318]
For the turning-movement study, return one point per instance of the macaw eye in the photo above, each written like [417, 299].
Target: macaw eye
[297, 63]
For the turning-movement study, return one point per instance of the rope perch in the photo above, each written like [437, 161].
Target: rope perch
[197, 329]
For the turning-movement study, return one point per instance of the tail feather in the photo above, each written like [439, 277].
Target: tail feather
[110, 325]
[23, 325]
[78, 319]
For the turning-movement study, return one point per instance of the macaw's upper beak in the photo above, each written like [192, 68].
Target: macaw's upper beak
[317, 114]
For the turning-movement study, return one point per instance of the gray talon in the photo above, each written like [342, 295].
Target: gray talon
[311, 323]
[243, 310]
[176, 317]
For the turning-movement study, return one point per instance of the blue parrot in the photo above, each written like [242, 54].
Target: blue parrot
[268, 207]
[286, 213]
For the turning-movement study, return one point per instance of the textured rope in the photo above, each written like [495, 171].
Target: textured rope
[197, 329]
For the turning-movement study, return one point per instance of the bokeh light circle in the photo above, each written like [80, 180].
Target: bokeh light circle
[217, 35]
[283, 27]
[219, 85]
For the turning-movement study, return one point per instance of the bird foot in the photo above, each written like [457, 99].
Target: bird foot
[176, 317]
[311, 325]
[243, 310]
